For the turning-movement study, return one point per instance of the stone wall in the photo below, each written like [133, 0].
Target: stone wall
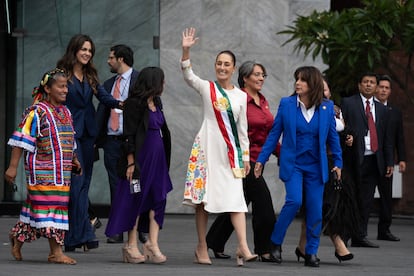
[246, 27]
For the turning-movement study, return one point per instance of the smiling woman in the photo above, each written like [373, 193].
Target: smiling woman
[46, 137]
[219, 158]
[82, 86]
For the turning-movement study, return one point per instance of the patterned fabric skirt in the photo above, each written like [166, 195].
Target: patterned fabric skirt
[43, 214]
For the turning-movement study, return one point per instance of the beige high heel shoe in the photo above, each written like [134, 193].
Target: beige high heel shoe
[240, 257]
[128, 257]
[199, 260]
[152, 256]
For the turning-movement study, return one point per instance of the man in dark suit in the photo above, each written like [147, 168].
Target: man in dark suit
[109, 121]
[373, 147]
[385, 185]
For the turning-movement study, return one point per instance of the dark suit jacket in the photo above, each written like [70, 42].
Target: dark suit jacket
[397, 131]
[79, 102]
[285, 122]
[136, 117]
[103, 112]
[354, 115]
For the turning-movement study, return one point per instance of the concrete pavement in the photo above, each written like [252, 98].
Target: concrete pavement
[178, 240]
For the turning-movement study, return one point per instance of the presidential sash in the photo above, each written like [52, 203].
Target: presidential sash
[227, 125]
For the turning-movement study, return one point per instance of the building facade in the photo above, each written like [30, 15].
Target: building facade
[37, 31]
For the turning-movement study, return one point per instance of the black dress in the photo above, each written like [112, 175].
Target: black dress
[340, 210]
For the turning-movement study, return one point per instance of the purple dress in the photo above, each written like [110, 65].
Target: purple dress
[155, 184]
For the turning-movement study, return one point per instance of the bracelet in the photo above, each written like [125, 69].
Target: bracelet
[130, 165]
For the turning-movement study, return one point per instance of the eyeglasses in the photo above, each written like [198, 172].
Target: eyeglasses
[258, 74]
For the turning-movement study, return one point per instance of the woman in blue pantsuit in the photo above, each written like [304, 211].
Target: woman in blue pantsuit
[307, 123]
[82, 86]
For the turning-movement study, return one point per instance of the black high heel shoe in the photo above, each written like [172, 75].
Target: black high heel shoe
[221, 255]
[299, 254]
[90, 245]
[311, 260]
[276, 252]
[270, 259]
[72, 248]
[344, 258]
[96, 223]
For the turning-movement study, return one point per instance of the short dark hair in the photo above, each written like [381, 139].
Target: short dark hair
[125, 52]
[368, 74]
[230, 53]
[246, 69]
[384, 78]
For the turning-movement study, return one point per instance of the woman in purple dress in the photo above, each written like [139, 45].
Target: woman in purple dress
[145, 181]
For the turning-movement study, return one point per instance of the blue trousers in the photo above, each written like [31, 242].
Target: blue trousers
[80, 228]
[306, 181]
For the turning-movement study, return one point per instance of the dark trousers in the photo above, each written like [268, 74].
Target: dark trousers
[112, 153]
[385, 205]
[369, 177]
[80, 228]
[263, 217]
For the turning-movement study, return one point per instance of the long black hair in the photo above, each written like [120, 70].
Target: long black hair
[150, 83]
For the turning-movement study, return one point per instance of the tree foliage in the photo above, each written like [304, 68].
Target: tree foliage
[379, 36]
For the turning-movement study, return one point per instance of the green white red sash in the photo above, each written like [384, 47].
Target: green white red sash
[227, 125]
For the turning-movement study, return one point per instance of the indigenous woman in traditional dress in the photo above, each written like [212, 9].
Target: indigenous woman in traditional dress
[46, 137]
[219, 157]
[142, 190]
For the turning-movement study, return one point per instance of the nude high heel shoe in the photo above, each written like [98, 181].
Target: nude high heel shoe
[198, 260]
[240, 257]
[128, 257]
[152, 256]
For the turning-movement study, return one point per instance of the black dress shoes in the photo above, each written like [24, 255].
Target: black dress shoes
[270, 259]
[388, 236]
[220, 255]
[311, 260]
[116, 239]
[364, 243]
[276, 253]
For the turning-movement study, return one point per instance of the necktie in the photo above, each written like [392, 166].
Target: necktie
[114, 121]
[371, 127]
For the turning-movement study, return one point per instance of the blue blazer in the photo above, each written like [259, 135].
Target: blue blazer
[79, 102]
[285, 122]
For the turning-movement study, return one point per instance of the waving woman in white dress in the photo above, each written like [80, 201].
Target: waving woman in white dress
[219, 157]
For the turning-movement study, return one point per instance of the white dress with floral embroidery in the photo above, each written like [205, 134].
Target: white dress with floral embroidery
[210, 179]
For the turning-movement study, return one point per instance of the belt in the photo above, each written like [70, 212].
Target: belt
[117, 137]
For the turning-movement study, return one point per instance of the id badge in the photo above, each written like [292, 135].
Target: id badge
[135, 186]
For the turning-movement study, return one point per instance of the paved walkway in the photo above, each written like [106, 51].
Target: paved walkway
[178, 240]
